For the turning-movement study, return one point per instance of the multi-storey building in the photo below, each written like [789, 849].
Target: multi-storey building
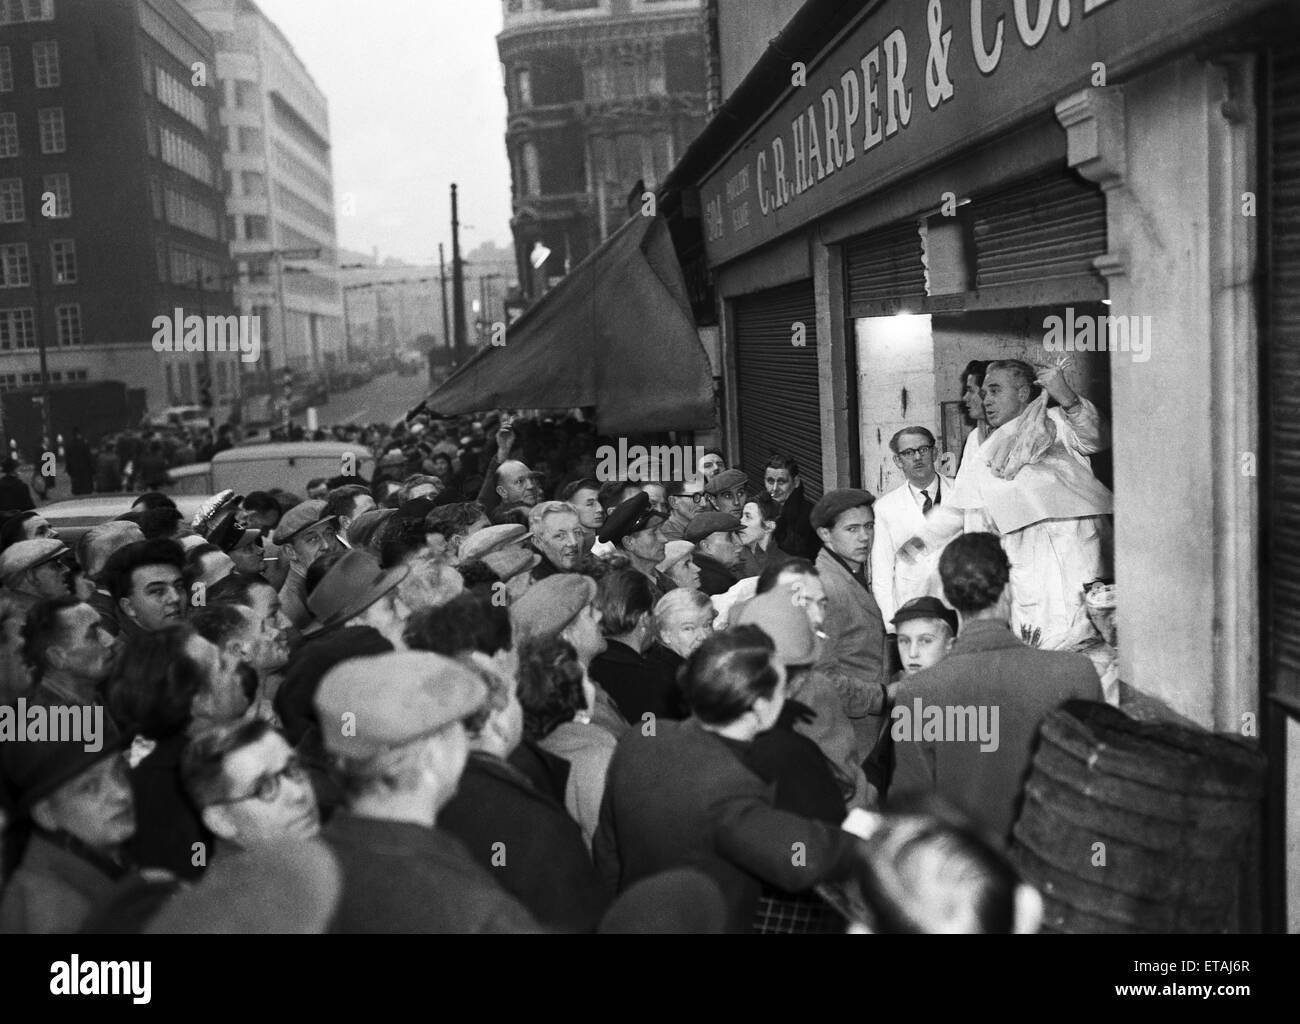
[602, 94]
[280, 188]
[110, 196]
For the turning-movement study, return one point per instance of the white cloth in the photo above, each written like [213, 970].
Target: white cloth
[895, 581]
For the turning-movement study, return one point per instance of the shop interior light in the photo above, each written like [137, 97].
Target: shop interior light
[539, 255]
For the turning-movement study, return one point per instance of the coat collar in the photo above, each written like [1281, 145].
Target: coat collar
[828, 559]
[985, 635]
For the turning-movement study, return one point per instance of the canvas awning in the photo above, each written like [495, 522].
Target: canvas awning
[616, 333]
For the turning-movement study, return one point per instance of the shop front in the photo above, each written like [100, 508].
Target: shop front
[1081, 182]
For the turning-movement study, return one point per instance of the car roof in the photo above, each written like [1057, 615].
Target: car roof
[103, 507]
[291, 450]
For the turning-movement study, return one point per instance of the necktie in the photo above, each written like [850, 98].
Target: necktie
[927, 504]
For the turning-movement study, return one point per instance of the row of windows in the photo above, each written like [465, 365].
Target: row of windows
[15, 266]
[186, 267]
[18, 327]
[289, 238]
[15, 12]
[191, 214]
[13, 381]
[293, 203]
[56, 198]
[181, 378]
[175, 95]
[53, 134]
[301, 172]
[172, 41]
[185, 156]
[45, 66]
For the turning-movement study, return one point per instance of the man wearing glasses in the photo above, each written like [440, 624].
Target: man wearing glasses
[248, 786]
[901, 514]
[686, 499]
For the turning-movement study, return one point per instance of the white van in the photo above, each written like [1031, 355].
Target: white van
[289, 466]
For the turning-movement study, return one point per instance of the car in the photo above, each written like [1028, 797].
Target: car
[75, 516]
[186, 417]
[262, 465]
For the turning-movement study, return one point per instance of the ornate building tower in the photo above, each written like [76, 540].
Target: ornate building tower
[603, 95]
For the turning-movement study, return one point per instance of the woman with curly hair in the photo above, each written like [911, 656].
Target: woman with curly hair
[557, 698]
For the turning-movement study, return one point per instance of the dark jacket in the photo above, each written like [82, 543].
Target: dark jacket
[403, 878]
[684, 797]
[14, 495]
[715, 578]
[637, 684]
[526, 842]
[989, 668]
[794, 531]
[168, 829]
[57, 886]
[549, 773]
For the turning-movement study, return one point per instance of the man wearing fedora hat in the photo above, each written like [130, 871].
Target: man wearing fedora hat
[395, 725]
[357, 592]
[80, 805]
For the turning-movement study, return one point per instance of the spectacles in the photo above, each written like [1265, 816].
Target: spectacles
[911, 453]
[267, 787]
[699, 498]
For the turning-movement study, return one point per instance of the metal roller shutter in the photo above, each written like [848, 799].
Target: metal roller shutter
[1281, 546]
[779, 403]
[884, 270]
[1035, 242]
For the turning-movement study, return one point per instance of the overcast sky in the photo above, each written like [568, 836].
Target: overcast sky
[416, 102]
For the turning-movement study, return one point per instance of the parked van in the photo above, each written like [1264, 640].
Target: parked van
[289, 466]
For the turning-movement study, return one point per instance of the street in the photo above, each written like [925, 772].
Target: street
[382, 400]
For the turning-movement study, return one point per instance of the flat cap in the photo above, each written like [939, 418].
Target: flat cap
[392, 699]
[710, 522]
[27, 554]
[510, 562]
[727, 480]
[491, 538]
[298, 518]
[676, 551]
[550, 604]
[629, 517]
[779, 614]
[832, 503]
[926, 608]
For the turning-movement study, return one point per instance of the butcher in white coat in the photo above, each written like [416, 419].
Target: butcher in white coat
[900, 515]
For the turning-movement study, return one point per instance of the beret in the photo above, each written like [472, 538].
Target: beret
[832, 503]
[392, 699]
[706, 523]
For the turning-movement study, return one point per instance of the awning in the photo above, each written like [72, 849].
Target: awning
[616, 333]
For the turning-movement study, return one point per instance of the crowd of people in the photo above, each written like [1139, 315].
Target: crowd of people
[485, 691]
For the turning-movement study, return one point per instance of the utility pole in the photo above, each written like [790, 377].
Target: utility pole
[457, 282]
[442, 282]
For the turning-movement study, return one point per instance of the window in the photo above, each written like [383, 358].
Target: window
[69, 321]
[63, 258]
[17, 329]
[156, 198]
[14, 12]
[246, 95]
[53, 139]
[255, 228]
[532, 170]
[175, 95]
[11, 200]
[146, 69]
[191, 214]
[181, 153]
[253, 184]
[524, 79]
[250, 141]
[160, 252]
[6, 70]
[45, 58]
[15, 268]
[8, 135]
[60, 186]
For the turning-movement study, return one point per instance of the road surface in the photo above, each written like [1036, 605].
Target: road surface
[382, 400]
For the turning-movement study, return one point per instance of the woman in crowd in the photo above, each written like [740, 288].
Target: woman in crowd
[683, 621]
[638, 684]
[557, 700]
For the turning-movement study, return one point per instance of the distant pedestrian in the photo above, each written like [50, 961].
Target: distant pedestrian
[108, 470]
[14, 494]
[80, 463]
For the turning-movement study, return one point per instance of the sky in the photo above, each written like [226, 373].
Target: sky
[416, 102]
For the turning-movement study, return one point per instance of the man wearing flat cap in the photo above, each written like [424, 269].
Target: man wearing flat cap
[635, 530]
[304, 534]
[716, 536]
[33, 570]
[82, 812]
[855, 654]
[728, 491]
[395, 726]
